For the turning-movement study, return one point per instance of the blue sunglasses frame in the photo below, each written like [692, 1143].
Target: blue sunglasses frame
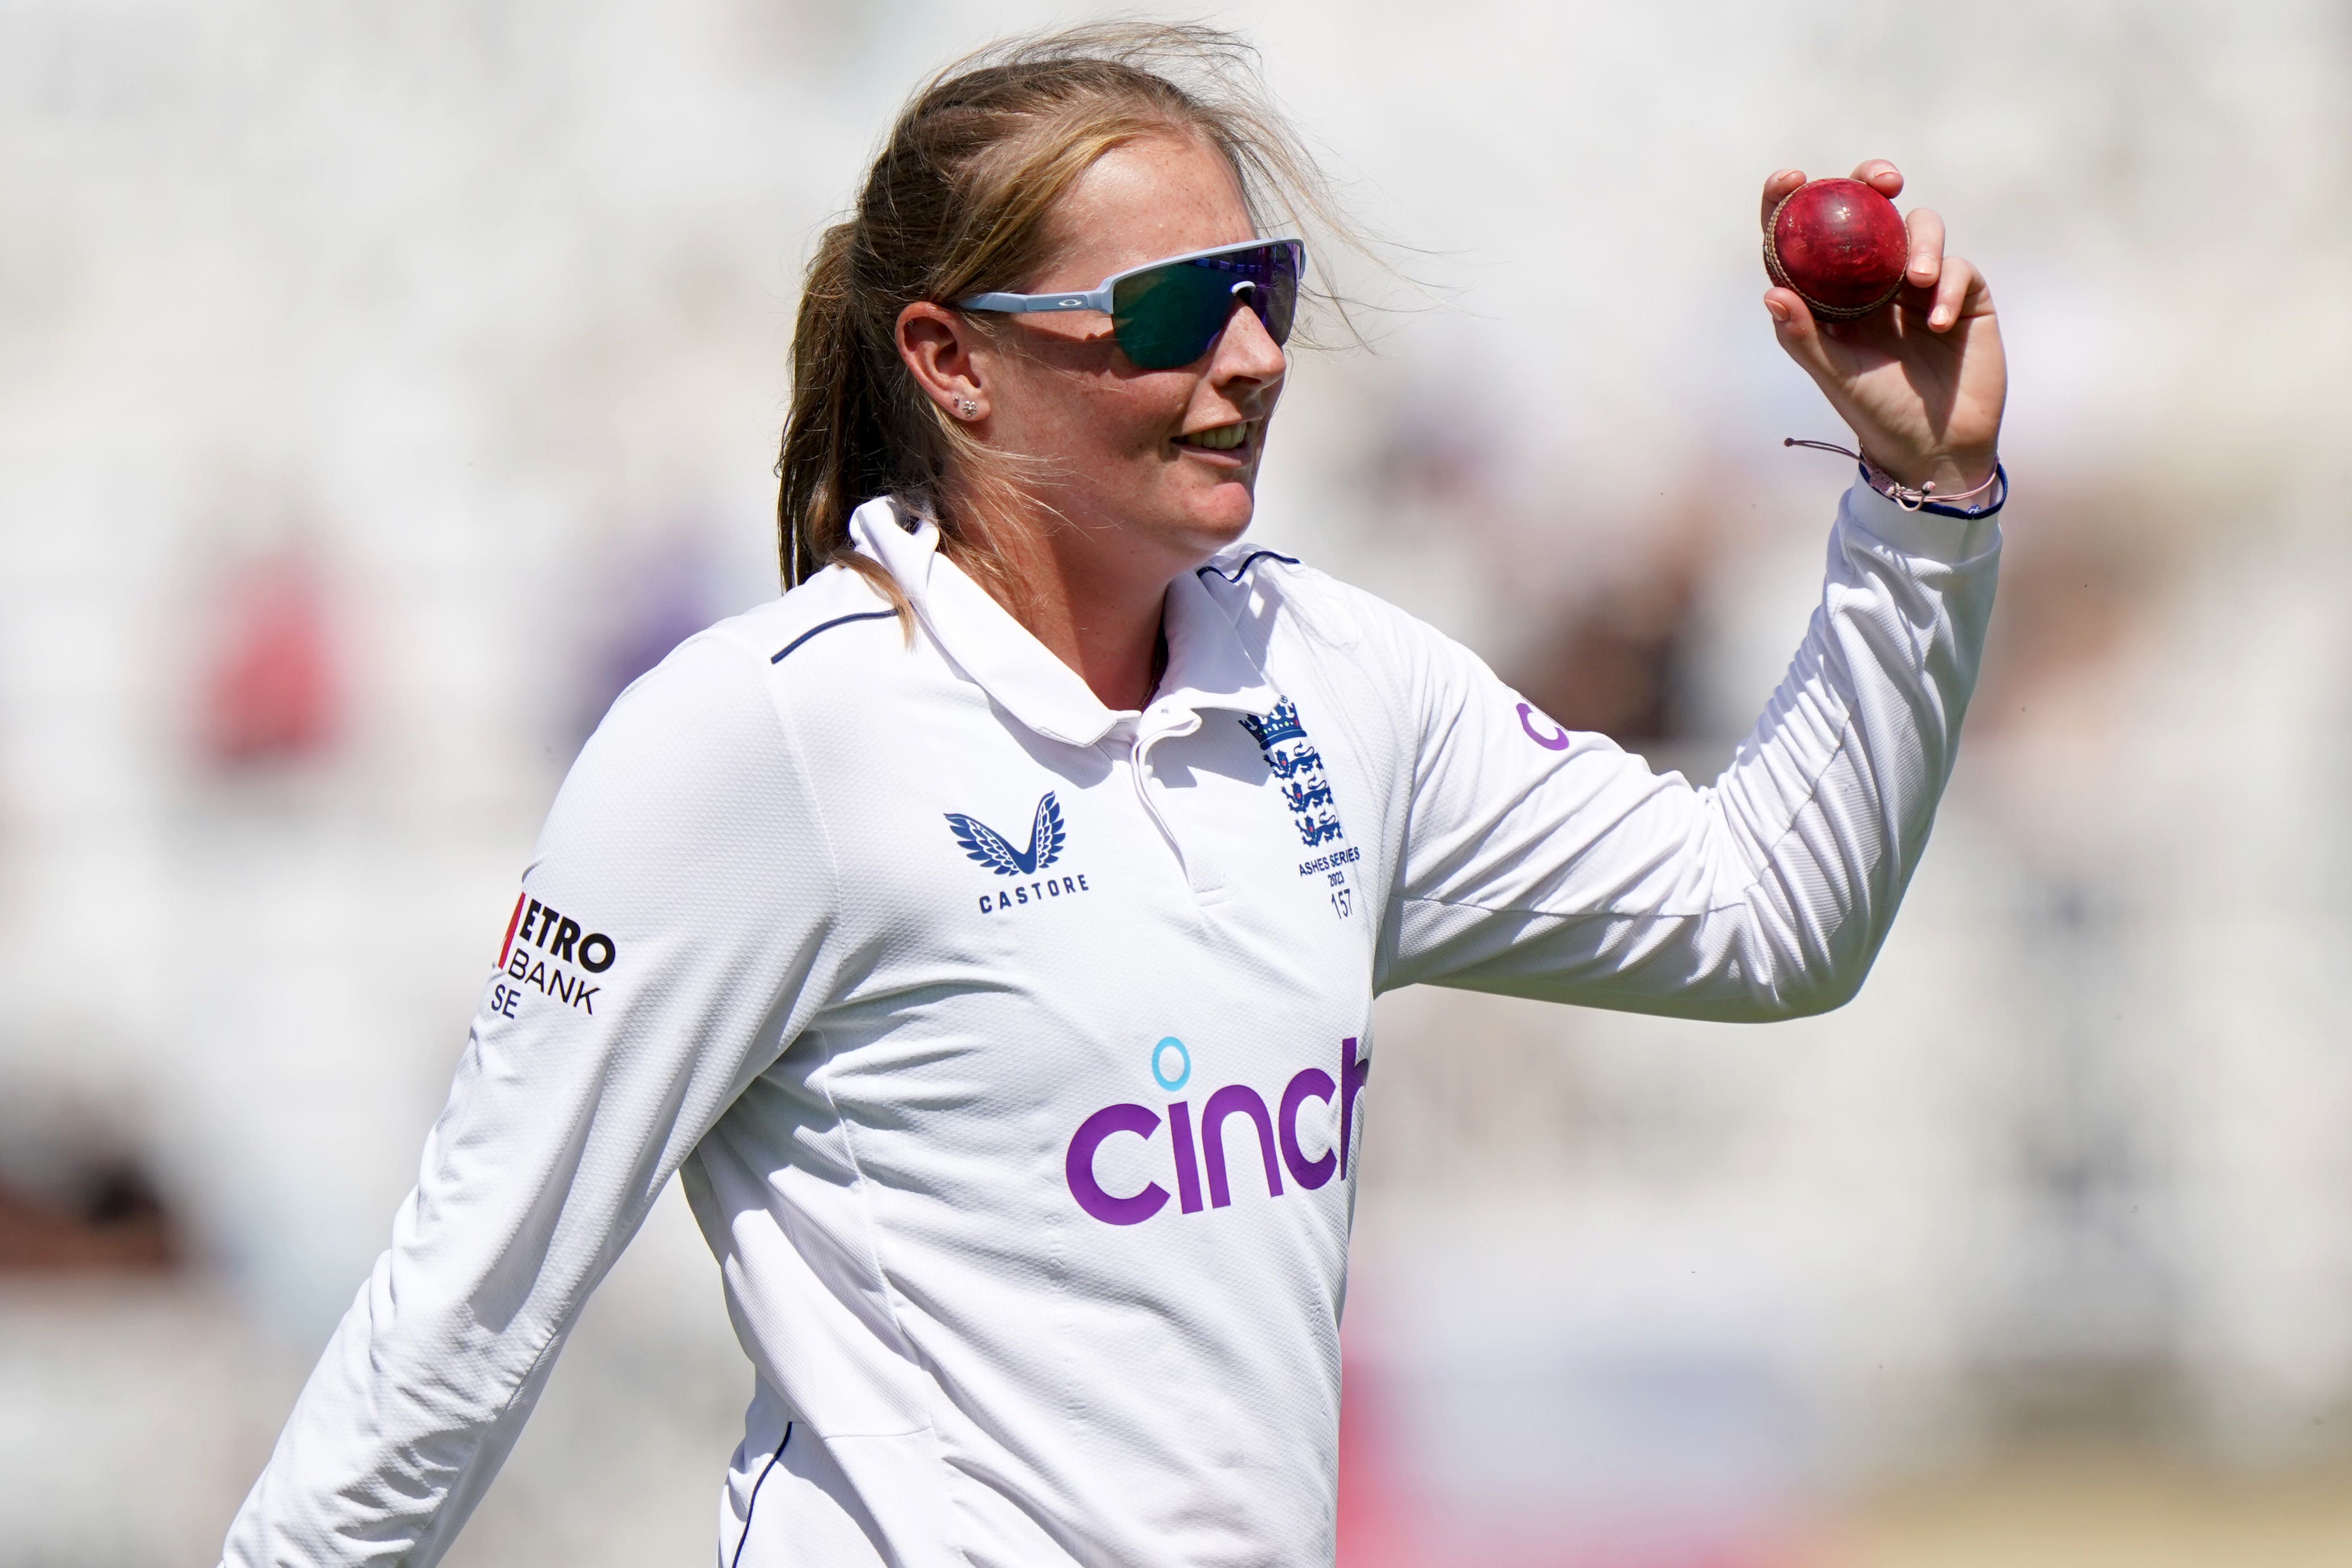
[1103, 297]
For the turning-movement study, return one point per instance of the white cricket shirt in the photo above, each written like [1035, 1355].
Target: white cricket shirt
[1016, 1051]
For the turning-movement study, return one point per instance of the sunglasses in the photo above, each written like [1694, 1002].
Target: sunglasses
[1166, 313]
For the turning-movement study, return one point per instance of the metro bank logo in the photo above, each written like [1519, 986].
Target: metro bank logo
[1277, 1138]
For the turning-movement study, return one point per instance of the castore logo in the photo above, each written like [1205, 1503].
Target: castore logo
[991, 849]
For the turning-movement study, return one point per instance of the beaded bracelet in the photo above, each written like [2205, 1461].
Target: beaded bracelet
[1924, 498]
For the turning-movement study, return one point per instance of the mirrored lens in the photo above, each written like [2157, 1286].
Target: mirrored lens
[1282, 289]
[1169, 316]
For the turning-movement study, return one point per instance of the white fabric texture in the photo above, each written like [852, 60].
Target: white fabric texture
[1016, 1051]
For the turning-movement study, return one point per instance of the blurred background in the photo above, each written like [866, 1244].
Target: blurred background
[382, 387]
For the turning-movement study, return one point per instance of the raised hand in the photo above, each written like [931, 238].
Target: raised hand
[1921, 383]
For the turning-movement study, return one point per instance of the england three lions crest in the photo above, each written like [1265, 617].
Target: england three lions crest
[1298, 771]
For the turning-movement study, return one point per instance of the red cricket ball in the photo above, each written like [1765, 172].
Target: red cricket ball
[1839, 244]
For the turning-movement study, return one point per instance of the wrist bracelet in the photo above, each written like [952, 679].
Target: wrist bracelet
[1924, 498]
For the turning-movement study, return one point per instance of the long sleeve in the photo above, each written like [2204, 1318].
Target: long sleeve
[672, 936]
[1547, 863]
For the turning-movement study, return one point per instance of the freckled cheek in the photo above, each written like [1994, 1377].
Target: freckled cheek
[1139, 419]
[1104, 418]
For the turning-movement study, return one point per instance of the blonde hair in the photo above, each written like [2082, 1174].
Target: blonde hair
[956, 202]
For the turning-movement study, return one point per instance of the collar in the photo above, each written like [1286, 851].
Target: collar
[1208, 667]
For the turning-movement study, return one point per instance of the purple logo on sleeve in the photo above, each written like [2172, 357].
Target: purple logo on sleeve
[1276, 1129]
[1558, 741]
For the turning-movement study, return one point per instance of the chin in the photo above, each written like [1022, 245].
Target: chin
[1189, 527]
[1204, 536]
[1219, 517]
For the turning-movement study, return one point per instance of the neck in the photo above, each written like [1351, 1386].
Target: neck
[1094, 600]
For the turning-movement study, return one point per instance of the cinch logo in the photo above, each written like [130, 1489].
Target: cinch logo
[561, 938]
[1558, 740]
[994, 849]
[1277, 1137]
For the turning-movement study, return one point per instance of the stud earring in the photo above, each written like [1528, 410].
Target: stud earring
[966, 408]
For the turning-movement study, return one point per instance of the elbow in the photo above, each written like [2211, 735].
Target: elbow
[1815, 983]
[1818, 994]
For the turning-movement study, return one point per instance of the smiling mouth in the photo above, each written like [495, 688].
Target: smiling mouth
[1218, 438]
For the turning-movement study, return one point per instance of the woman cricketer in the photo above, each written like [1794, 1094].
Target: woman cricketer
[986, 931]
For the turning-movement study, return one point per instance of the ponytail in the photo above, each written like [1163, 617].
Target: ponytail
[836, 439]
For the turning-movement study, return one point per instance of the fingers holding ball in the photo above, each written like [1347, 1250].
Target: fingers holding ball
[1839, 244]
[1926, 243]
[1844, 251]
[1776, 187]
[1960, 293]
[1881, 176]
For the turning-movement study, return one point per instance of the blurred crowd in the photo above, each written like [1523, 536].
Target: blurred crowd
[381, 388]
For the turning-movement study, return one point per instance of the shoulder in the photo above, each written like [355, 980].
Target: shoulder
[834, 613]
[1281, 602]
[711, 709]
[834, 644]
[691, 776]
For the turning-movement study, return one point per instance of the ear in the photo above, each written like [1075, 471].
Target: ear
[939, 348]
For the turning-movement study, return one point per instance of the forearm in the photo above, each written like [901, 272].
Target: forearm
[398, 1433]
[1562, 868]
[1827, 806]
[671, 940]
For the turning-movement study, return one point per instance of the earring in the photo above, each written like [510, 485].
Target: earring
[966, 408]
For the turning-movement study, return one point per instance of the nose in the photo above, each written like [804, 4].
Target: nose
[1245, 352]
